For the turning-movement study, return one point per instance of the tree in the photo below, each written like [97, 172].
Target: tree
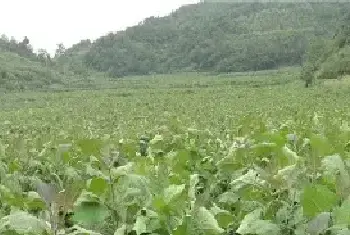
[4, 41]
[329, 59]
[217, 37]
[61, 58]
[25, 41]
[13, 40]
[43, 55]
[60, 51]
[4, 38]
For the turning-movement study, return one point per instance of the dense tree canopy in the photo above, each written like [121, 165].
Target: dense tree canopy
[329, 59]
[214, 37]
[21, 68]
[220, 37]
[23, 48]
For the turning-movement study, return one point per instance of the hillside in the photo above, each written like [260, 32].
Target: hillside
[18, 73]
[205, 37]
[329, 59]
[219, 37]
[22, 69]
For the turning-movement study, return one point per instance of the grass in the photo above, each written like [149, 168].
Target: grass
[196, 163]
[337, 83]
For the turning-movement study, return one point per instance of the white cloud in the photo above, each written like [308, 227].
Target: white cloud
[48, 22]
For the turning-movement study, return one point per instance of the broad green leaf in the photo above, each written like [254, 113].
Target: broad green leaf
[14, 166]
[184, 227]
[316, 199]
[23, 223]
[122, 170]
[71, 173]
[97, 185]
[147, 223]
[93, 172]
[88, 209]
[340, 230]
[250, 178]
[228, 164]
[181, 158]
[81, 231]
[252, 224]
[35, 201]
[90, 146]
[33, 195]
[342, 214]
[321, 145]
[156, 139]
[132, 189]
[288, 174]
[89, 213]
[206, 221]
[333, 165]
[228, 197]
[215, 209]
[65, 157]
[173, 191]
[140, 225]
[86, 196]
[224, 219]
[334, 168]
[121, 231]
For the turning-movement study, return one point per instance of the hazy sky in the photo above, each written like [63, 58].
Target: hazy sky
[48, 22]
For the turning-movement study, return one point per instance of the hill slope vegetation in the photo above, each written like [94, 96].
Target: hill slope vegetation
[221, 37]
[22, 69]
[329, 59]
[205, 37]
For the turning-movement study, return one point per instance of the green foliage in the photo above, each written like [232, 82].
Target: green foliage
[206, 37]
[97, 185]
[341, 214]
[22, 49]
[252, 224]
[263, 157]
[316, 199]
[22, 69]
[89, 211]
[336, 65]
[23, 223]
[329, 59]
[221, 37]
[18, 73]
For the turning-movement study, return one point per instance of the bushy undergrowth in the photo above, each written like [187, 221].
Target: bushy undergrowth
[19, 73]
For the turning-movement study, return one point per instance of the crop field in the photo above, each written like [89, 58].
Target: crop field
[181, 155]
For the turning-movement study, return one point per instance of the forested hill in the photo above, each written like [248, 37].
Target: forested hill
[22, 69]
[215, 37]
[329, 59]
[219, 37]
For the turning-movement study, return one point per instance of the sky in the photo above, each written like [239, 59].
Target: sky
[49, 22]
